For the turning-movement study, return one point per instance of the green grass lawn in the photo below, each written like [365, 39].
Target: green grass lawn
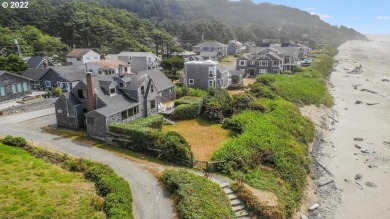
[203, 136]
[32, 188]
[228, 60]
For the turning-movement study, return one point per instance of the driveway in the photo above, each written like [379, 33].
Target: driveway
[150, 201]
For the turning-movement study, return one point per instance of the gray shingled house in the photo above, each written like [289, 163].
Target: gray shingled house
[165, 88]
[37, 62]
[206, 74]
[211, 46]
[13, 86]
[64, 77]
[252, 65]
[98, 101]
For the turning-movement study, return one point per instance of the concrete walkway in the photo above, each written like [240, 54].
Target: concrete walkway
[150, 201]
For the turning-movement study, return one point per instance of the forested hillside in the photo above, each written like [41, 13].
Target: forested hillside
[243, 20]
[87, 25]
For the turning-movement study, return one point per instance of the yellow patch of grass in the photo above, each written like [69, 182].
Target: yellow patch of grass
[203, 136]
[228, 60]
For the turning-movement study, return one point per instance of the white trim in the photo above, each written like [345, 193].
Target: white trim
[191, 81]
[48, 83]
[242, 63]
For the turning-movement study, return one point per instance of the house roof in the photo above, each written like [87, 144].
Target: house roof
[211, 44]
[222, 68]
[234, 72]
[76, 53]
[186, 53]
[70, 73]
[35, 73]
[108, 64]
[19, 76]
[36, 61]
[288, 51]
[136, 54]
[209, 54]
[118, 105]
[72, 99]
[159, 79]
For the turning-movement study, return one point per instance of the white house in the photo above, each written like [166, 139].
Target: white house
[107, 67]
[81, 56]
[139, 61]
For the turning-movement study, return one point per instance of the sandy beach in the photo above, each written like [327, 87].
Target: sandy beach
[350, 150]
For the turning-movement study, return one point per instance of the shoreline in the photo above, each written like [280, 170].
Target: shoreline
[358, 181]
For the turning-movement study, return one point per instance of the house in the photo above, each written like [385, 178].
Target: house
[251, 65]
[303, 49]
[290, 56]
[139, 61]
[235, 47]
[214, 56]
[206, 74]
[37, 62]
[166, 90]
[79, 57]
[13, 86]
[65, 77]
[248, 45]
[107, 67]
[185, 54]
[237, 78]
[99, 100]
[211, 46]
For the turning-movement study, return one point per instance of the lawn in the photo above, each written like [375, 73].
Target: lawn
[228, 60]
[203, 136]
[32, 188]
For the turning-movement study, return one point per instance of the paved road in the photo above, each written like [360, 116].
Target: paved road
[150, 201]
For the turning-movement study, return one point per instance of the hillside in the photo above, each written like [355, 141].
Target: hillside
[90, 25]
[247, 21]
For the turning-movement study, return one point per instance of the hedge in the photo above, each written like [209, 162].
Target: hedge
[187, 108]
[115, 190]
[196, 196]
[145, 134]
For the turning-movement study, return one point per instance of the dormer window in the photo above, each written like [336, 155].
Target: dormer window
[142, 89]
[121, 84]
[151, 88]
[112, 90]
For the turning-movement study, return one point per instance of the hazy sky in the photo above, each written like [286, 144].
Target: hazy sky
[365, 16]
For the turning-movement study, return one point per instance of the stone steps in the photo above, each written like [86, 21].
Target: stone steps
[237, 206]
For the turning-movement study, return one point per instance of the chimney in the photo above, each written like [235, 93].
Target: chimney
[121, 71]
[91, 93]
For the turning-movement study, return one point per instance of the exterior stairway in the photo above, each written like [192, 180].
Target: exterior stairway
[237, 206]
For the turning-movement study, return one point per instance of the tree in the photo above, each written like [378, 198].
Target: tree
[171, 67]
[13, 64]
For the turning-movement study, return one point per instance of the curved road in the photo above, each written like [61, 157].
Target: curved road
[150, 201]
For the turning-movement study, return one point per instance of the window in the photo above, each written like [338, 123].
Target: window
[25, 87]
[112, 90]
[20, 88]
[47, 83]
[131, 112]
[142, 89]
[275, 62]
[129, 58]
[60, 112]
[221, 81]
[252, 62]
[263, 71]
[242, 63]
[170, 90]
[191, 81]
[136, 110]
[90, 120]
[125, 69]
[211, 83]
[151, 88]
[2, 91]
[90, 70]
[211, 72]
[78, 59]
[275, 71]
[100, 72]
[124, 114]
[80, 94]
[121, 84]
[14, 89]
[264, 63]
[286, 60]
[153, 104]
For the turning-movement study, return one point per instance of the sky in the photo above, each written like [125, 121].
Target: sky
[365, 16]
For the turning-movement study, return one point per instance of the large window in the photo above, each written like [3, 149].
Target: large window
[80, 94]
[276, 62]
[211, 72]
[264, 63]
[20, 88]
[2, 91]
[14, 88]
[25, 87]
[286, 60]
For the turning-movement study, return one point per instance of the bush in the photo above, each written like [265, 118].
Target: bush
[187, 108]
[146, 134]
[195, 196]
[15, 141]
[56, 91]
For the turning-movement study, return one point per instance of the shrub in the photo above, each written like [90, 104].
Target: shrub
[195, 196]
[187, 108]
[56, 91]
[15, 141]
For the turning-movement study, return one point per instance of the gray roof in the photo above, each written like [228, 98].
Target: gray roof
[136, 54]
[72, 99]
[70, 73]
[159, 79]
[211, 44]
[136, 81]
[117, 103]
[19, 76]
[288, 51]
[35, 73]
[209, 54]
[221, 68]
[36, 61]
[234, 72]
